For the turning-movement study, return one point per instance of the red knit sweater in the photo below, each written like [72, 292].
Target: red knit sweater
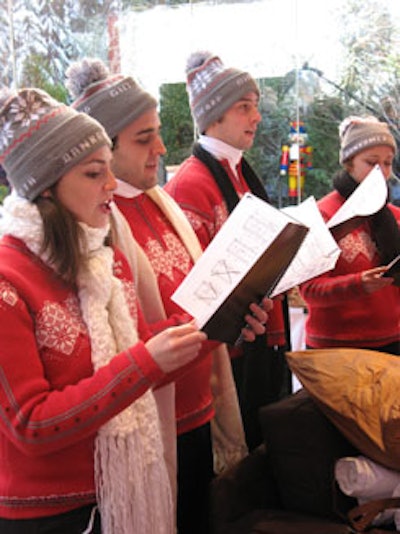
[51, 403]
[195, 190]
[171, 262]
[340, 312]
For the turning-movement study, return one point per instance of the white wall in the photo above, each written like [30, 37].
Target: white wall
[265, 37]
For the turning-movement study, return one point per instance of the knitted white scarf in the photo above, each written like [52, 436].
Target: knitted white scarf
[228, 438]
[132, 486]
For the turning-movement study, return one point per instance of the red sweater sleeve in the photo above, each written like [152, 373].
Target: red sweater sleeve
[39, 417]
[324, 291]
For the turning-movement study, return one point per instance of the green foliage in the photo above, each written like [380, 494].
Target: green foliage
[323, 118]
[177, 125]
[4, 190]
[272, 132]
[36, 74]
[58, 91]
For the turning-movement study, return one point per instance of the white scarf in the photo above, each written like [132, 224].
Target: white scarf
[133, 491]
[228, 438]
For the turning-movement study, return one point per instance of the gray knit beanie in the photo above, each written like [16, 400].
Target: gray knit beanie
[214, 88]
[41, 139]
[114, 100]
[359, 133]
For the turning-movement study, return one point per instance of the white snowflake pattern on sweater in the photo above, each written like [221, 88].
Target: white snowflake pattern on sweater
[8, 294]
[173, 256]
[197, 220]
[354, 244]
[59, 325]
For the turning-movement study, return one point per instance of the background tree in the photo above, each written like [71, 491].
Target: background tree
[272, 132]
[42, 38]
[43, 44]
[371, 67]
[177, 126]
[323, 118]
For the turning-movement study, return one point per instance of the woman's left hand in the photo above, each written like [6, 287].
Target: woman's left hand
[373, 280]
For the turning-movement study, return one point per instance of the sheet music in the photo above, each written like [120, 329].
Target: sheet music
[369, 197]
[247, 233]
[319, 251]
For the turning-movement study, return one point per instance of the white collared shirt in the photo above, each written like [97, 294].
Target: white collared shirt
[221, 150]
[127, 190]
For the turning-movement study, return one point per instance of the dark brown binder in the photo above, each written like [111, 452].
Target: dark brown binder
[228, 320]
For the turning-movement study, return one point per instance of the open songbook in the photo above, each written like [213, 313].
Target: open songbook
[244, 262]
[263, 251]
[317, 254]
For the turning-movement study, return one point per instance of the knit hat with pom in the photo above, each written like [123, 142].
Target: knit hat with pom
[114, 100]
[214, 88]
[41, 139]
[359, 133]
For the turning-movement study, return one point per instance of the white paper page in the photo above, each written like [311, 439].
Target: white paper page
[319, 251]
[369, 197]
[243, 238]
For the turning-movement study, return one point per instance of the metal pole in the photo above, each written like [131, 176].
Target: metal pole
[297, 109]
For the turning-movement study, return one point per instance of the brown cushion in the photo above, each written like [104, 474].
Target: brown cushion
[248, 485]
[302, 447]
[358, 390]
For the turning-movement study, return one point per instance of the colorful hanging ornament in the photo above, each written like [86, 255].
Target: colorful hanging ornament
[296, 160]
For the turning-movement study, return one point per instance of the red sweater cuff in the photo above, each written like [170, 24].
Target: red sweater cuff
[147, 365]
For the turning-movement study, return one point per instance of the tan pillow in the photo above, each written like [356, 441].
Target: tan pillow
[359, 391]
